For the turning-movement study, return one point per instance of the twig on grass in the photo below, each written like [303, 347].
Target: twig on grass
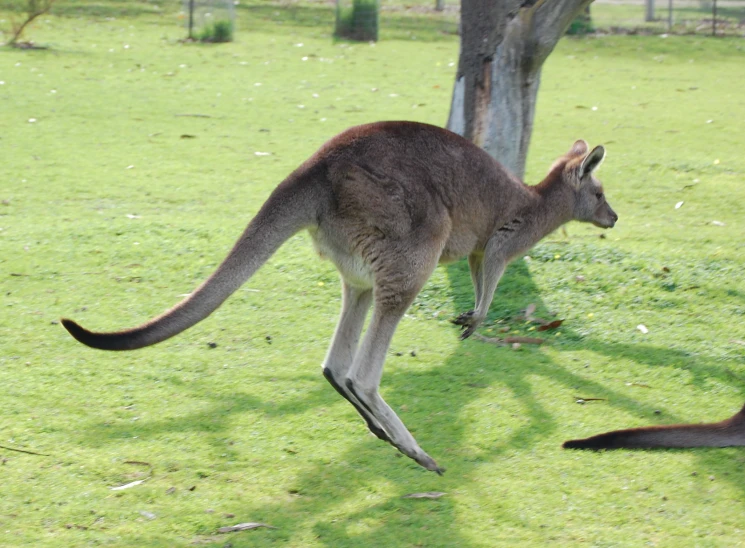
[509, 340]
[24, 451]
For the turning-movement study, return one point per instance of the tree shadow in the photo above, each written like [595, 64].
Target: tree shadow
[382, 522]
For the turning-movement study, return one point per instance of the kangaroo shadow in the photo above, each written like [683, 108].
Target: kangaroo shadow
[474, 372]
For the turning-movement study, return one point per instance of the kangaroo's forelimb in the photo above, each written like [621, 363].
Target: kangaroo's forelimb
[487, 269]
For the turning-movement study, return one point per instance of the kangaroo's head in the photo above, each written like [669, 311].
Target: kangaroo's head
[590, 204]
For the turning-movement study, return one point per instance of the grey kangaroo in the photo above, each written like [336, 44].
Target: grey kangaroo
[386, 202]
[726, 433]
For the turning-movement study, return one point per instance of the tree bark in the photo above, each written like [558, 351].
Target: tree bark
[503, 46]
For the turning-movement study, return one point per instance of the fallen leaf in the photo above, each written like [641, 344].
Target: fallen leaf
[735, 341]
[188, 136]
[262, 153]
[718, 223]
[127, 485]
[425, 495]
[551, 325]
[583, 401]
[529, 311]
[243, 527]
[579, 278]
[679, 205]
[148, 515]
[643, 328]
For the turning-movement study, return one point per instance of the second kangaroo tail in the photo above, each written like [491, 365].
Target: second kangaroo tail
[726, 433]
[294, 205]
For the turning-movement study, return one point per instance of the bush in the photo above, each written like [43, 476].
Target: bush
[582, 24]
[219, 31]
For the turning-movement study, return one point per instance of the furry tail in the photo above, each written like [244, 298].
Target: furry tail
[294, 205]
[719, 434]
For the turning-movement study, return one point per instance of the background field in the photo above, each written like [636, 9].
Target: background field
[129, 165]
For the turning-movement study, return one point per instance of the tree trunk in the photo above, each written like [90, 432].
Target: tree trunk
[503, 47]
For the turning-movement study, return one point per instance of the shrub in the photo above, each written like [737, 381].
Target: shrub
[219, 31]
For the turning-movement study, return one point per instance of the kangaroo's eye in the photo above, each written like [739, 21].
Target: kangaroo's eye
[599, 195]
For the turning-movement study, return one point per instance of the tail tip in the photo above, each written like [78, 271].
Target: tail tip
[594, 443]
[78, 332]
[573, 444]
[71, 326]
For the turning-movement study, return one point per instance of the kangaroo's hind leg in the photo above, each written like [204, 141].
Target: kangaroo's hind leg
[355, 305]
[392, 298]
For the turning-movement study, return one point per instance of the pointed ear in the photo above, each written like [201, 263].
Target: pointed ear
[579, 148]
[592, 161]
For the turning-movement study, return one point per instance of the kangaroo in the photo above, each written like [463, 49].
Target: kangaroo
[726, 433]
[385, 202]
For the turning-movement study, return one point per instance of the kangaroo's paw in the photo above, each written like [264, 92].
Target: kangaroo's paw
[423, 459]
[463, 319]
[420, 457]
[468, 322]
[398, 436]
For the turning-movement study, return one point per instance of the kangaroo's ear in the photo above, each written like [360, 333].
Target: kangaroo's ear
[592, 161]
[579, 148]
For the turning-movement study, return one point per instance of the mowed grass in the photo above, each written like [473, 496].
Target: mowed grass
[129, 167]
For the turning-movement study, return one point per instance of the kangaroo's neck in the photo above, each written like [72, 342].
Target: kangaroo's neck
[551, 206]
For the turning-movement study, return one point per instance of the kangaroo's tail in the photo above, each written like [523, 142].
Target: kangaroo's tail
[295, 204]
[719, 434]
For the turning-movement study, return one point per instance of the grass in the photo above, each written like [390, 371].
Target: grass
[139, 171]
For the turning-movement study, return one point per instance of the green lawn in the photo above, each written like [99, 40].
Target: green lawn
[129, 166]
